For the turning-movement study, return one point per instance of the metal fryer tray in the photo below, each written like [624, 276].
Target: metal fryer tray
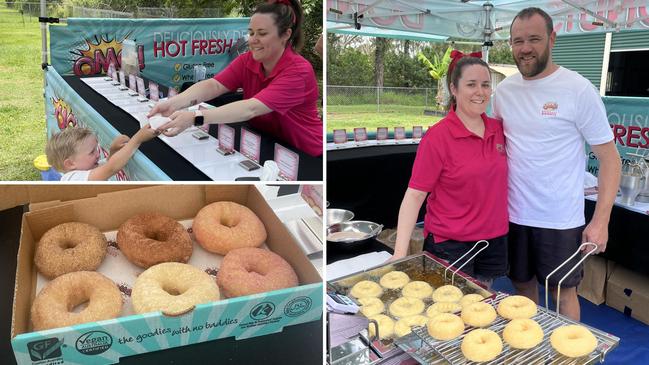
[427, 350]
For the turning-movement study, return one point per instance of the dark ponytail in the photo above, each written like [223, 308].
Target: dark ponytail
[288, 15]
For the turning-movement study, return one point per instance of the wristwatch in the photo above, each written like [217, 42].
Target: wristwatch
[198, 118]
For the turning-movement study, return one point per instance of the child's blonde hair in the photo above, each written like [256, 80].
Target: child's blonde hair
[63, 145]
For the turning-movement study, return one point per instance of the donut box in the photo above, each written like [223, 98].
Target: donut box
[105, 342]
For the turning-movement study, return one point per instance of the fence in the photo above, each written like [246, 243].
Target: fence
[33, 9]
[381, 100]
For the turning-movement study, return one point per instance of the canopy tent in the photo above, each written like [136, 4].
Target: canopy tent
[383, 33]
[487, 20]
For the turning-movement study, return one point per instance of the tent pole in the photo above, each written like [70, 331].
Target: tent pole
[44, 50]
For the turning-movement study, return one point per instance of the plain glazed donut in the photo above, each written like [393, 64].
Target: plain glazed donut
[443, 307]
[481, 345]
[447, 293]
[246, 271]
[70, 247]
[172, 288]
[516, 306]
[523, 333]
[366, 288]
[417, 289]
[371, 306]
[386, 326]
[573, 340]
[470, 298]
[224, 226]
[149, 239]
[406, 307]
[404, 325]
[394, 280]
[478, 314]
[53, 306]
[445, 326]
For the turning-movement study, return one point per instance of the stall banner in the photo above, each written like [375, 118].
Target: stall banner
[167, 49]
[629, 121]
[66, 109]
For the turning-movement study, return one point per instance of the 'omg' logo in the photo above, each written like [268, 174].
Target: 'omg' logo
[63, 114]
[99, 55]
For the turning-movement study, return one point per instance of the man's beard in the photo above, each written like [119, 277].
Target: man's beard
[537, 68]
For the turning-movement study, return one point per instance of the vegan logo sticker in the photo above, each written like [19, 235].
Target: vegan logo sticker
[48, 348]
[94, 342]
[298, 306]
[262, 311]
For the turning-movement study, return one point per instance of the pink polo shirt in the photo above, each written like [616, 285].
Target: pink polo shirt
[466, 177]
[291, 91]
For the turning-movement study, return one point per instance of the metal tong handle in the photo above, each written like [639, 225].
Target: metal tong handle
[466, 262]
[547, 303]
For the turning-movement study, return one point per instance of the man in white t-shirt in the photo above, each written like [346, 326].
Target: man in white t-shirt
[548, 113]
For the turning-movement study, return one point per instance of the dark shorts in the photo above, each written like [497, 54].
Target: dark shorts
[537, 252]
[489, 264]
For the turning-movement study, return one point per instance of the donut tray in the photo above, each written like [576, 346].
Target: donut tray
[427, 350]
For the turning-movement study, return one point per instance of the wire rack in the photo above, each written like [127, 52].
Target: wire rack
[425, 349]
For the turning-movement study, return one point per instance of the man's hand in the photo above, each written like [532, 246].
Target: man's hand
[597, 234]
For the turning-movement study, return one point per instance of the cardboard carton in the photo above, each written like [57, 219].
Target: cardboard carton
[104, 342]
[628, 292]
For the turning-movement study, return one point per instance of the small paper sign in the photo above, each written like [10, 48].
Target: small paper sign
[172, 92]
[226, 138]
[312, 194]
[111, 71]
[287, 161]
[132, 82]
[399, 133]
[381, 133]
[140, 86]
[122, 78]
[360, 134]
[340, 136]
[250, 145]
[417, 132]
[154, 93]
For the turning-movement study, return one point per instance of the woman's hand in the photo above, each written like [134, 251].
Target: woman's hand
[180, 121]
[165, 108]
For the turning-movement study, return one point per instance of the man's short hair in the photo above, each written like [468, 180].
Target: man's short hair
[63, 145]
[528, 13]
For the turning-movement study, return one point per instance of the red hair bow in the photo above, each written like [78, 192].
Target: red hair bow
[456, 55]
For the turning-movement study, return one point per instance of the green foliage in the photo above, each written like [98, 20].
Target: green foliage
[350, 67]
[438, 68]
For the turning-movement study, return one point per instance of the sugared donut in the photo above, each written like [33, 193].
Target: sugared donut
[481, 345]
[573, 340]
[404, 325]
[371, 306]
[366, 288]
[417, 289]
[70, 247]
[224, 226]
[478, 314]
[443, 307]
[53, 306]
[445, 326]
[447, 293]
[406, 307]
[250, 270]
[523, 333]
[386, 326]
[172, 288]
[516, 306]
[150, 238]
[394, 280]
[470, 298]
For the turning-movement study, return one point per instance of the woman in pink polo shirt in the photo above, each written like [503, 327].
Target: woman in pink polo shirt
[280, 91]
[461, 165]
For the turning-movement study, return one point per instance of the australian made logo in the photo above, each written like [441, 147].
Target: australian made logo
[94, 342]
[49, 348]
[262, 311]
[298, 306]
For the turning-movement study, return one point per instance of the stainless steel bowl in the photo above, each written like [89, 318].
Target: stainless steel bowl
[362, 230]
[338, 215]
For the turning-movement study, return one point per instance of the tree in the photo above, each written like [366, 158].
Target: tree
[381, 45]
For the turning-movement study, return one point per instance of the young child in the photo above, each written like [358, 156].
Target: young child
[75, 153]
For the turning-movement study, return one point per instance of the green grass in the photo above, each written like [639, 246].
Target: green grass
[366, 115]
[22, 112]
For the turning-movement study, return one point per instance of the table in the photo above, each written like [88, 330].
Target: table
[169, 160]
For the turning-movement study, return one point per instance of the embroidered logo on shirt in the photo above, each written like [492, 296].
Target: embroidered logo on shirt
[500, 148]
[550, 108]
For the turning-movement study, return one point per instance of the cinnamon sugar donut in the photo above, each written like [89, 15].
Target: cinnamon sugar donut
[252, 270]
[224, 226]
[52, 307]
[70, 247]
[172, 288]
[150, 238]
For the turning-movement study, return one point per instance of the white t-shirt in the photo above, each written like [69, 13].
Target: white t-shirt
[76, 175]
[546, 122]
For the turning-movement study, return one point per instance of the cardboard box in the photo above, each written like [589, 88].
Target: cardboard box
[104, 342]
[592, 287]
[628, 292]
